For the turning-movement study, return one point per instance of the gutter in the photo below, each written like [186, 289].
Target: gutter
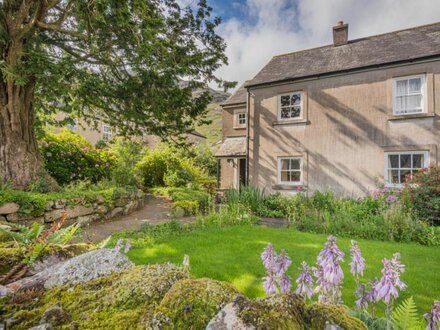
[421, 60]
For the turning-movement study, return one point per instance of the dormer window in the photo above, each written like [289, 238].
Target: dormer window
[290, 106]
[240, 118]
[409, 95]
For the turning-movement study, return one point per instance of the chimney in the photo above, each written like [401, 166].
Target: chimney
[340, 34]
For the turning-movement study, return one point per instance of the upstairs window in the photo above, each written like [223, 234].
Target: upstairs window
[290, 106]
[409, 95]
[399, 165]
[290, 170]
[106, 132]
[240, 119]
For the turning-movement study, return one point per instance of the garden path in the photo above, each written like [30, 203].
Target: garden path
[155, 211]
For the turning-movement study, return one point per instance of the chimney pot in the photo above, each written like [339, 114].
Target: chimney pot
[340, 34]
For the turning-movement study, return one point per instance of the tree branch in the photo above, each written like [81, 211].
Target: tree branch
[56, 28]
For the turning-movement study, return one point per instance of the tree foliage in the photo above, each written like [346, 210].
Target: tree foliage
[122, 61]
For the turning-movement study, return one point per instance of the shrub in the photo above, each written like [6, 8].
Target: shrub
[68, 157]
[164, 166]
[423, 192]
[128, 154]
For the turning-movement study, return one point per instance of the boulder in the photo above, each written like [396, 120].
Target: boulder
[130, 207]
[322, 316]
[13, 217]
[101, 209]
[191, 304]
[119, 300]
[9, 208]
[85, 267]
[228, 319]
[6, 227]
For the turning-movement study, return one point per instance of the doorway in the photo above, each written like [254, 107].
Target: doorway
[242, 172]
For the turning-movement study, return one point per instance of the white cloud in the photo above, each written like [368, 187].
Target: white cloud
[280, 26]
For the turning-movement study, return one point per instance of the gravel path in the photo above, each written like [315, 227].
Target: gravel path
[155, 211]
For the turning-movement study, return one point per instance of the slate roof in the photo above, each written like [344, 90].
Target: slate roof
[404, 45]
[238, 97]
[232, 147]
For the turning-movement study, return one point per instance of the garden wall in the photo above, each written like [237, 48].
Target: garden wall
[82, 210]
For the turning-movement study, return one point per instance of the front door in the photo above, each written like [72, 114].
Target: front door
[242, 172]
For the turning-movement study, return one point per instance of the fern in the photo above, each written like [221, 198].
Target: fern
[64, 235]
[405, 316]
[36, 253]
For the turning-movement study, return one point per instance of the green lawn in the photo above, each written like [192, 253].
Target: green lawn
[233, 254]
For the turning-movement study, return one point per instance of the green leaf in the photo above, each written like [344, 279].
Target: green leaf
[405, 316]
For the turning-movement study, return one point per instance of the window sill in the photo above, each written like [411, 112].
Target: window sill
[298, 187]
[240, 127]
[414, 116]
[291, 122]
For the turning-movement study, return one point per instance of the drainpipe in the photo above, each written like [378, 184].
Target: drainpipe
[218, 173]
[248, 112]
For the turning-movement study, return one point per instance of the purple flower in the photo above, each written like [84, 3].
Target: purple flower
[391, 199]
[96, 165]
[305, 281]
[107, 164]
[127, 246]
[357, 264]
[329, 275]
[268, 258]
[388, 285]
[269, 285]
[283, 262]
[371, 295]
[361, 295]
[276, 268]
[433, 317]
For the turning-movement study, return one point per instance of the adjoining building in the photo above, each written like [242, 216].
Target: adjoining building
[345, 117]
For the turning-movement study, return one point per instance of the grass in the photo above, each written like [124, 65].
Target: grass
[232, 254]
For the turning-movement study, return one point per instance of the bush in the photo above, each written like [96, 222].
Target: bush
[423, 192]
[128, 154]
[188, 197]
[165, 167]
[68, 157]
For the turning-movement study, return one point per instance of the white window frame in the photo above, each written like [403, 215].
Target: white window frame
[405, 152]
[301, 105]
[423, 90]
[237, 114]
[107, 135]
[290, 183]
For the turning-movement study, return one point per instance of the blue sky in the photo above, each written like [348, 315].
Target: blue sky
[255, 30]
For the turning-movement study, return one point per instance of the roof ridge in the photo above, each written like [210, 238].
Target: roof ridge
[357, 40]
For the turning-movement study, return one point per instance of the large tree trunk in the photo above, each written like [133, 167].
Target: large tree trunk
[19, 157]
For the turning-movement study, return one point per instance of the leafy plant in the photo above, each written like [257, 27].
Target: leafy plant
[423, 192]
[35, 240]
[405, 316]
[68, 157]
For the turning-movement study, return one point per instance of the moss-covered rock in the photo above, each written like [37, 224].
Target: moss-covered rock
[319, 315]
[10, 255]
[117, 301]
[191, 304]
[285, 311]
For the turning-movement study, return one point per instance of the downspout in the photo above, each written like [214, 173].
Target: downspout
[248, 112]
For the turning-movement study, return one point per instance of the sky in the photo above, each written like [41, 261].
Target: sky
[256, 30]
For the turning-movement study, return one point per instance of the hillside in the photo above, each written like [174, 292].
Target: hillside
[213, 131]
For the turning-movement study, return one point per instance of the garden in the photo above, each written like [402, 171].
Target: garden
[382, 269]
